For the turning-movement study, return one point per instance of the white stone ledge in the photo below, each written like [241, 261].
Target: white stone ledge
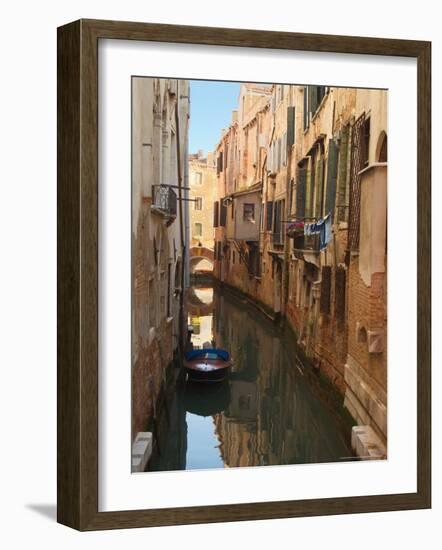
[141, 451]
[366, 444]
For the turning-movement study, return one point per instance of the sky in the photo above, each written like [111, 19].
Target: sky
[211, 106]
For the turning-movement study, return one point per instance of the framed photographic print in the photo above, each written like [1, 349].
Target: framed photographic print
[243, 275]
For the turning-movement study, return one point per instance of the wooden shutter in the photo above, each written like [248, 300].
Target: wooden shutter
[215, 214]
[223, 214]
[269, 215]
[340, 293]
[319, 166]
[306, 110]
[332, 173]
[342, 211]
[324, 305]
[290, 126]
[301, 182]
[313, 98]
[219, 163]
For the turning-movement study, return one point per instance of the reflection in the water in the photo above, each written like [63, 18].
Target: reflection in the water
[271, 411]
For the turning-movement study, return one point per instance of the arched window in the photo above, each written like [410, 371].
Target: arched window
[381, 149]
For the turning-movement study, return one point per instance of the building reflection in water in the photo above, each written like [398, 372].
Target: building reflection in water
[273, 409]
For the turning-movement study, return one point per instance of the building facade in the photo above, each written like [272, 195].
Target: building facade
[202, 183]
[241, 166]
[159, 237]
[300, 220]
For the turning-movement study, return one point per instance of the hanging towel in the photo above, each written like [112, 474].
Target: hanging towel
[325, 232]
[312, 228]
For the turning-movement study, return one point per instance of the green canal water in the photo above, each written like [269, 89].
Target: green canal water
[274, 408]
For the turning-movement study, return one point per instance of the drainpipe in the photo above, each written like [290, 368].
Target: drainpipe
[285, 267]
[180, 206]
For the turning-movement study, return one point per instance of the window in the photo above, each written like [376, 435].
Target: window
[216, 214]
[222, 214]
[313, 96]
[219, 163]
[366, 142]
[332, 175]
[249, 212]
[197, 178]
[342, 178]
[278, 234]
[198, 204]
[197, 229]
[269, 215]
[254, 261]
[290, 126]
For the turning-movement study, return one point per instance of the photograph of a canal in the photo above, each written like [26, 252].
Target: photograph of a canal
[259, 274]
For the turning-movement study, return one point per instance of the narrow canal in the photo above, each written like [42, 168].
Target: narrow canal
[274, 409]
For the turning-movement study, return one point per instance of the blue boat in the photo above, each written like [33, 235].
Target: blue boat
[207, 365]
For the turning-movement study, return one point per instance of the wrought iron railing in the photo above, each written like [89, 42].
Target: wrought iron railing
[307, 242]
[164, 199]
[278, 238]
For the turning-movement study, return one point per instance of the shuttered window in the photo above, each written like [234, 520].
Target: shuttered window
[278, 235]
[269, 215]
[342, 184]
[301, 182]
[215, 214]
[219, 163]
[325, 289]
[319, 196]
[223, 214]
[290, 126]
[306, 109]
[340, 293]
[332, 174]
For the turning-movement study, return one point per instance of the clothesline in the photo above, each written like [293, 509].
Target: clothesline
[322, 227]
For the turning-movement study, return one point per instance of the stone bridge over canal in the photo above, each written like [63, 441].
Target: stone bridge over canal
[201, 259]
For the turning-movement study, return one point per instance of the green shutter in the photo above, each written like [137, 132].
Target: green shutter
[313, 98]
[301, 181]
[290, 126]
[332, 174]
[305, 114]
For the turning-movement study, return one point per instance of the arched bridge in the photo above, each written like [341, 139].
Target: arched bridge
[196, 256]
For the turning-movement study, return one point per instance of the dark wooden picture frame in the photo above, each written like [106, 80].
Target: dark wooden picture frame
[77, 225]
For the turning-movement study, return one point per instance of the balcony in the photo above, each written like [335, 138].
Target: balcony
[306, 243]
[278, 238]
[164, 201]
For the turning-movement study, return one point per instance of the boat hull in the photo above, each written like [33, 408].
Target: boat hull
[207, 376]
[207, 365]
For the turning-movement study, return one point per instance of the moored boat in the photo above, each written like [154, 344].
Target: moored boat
[207, 365]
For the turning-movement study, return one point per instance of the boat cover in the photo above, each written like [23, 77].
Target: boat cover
[209, 353]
